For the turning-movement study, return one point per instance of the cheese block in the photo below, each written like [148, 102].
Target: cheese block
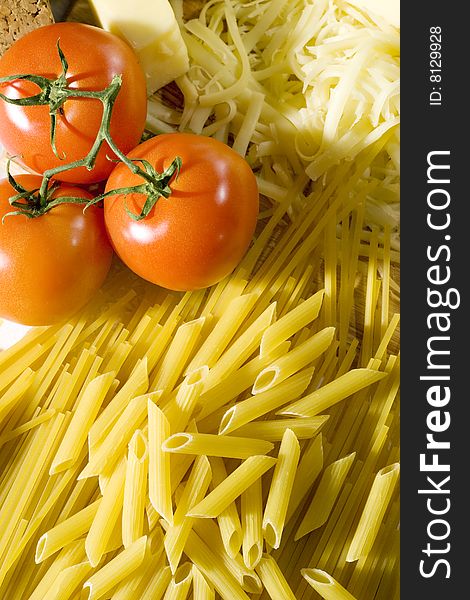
[387, 9]
[152, 30]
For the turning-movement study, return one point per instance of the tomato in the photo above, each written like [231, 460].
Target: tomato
[94, 56]
[50, 266]
[199, 234]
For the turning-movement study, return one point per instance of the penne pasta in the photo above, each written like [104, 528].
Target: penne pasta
[295, 360]
[325, 496]
[215, 445]
[202, 590]
[65, 532]
[272, 431]
[310, 466]
[180, 583]
[280, 490]
[180, 409]
[236, 483]
[273, 579]
[223, 332]
[159, 463]
[195, 489]
[135, 489]
[331, 393]
[326, 585]
[68, 580]
[107, 516]
[256, 406]
[157, 584]
[116, 570]
[82, 419]
[373, 512]
[228, 520]
[292, 322]
[252, 524]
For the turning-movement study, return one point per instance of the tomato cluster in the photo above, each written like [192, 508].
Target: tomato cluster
[194, 232]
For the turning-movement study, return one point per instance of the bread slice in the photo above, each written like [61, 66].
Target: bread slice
[17, 17]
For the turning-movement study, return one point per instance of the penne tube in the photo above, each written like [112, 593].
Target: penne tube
[107, 516]
[292, 322]
[331, 393]
[273, 579]
[325, 496]
[82, 419]
[213, 568]
[252, 524]
[159, 463]
[180, 408]
[215, 445]
[210, 534]
[202, 590]
[237, 382]
[15, 392]
[194, 491]
[373, 512]
[180, 583]
[236, 483]
[31, 424]
[177, 355]
[223, 332]
[68, 580]
[228, 520]
[66, 531]
[256, 406]
[157, 584]
[135, 489]
[272, 431]
[310, 467]
[241, 349]
[136, 385]
[115, 571]
[326, 585]
[115, 443]
[280, 490]
[295, 360]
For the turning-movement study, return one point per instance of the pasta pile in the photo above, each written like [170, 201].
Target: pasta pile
[241, 441]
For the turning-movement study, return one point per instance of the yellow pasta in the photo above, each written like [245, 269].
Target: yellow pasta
[294, 361]
[201, 588]
[68, 580]
[272, 431]
[178, 588]
[376, 504]
[326, 585]
[107, 516]
[177, 534]
[236, 483]
[159, 463]
[325, 496]
[292, 322]
[68, 530]
[228, 519]
[331, 393]
[177, 355]
[15, 392]
[135, 489]
[256, 406]
[82, 419]
[117, 569]
[215, 445]
[273, 579]
[180, 408]
[280, 490]
[252, 524]
[157, 584]
[223, 332]
[117, 439]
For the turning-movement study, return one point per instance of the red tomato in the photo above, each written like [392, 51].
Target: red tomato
[199, 234]
[94, 57]
[50, 266]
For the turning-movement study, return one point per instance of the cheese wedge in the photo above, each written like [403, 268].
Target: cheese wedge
[151, 28]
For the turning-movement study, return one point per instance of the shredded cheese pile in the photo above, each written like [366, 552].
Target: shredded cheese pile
[298, 88]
